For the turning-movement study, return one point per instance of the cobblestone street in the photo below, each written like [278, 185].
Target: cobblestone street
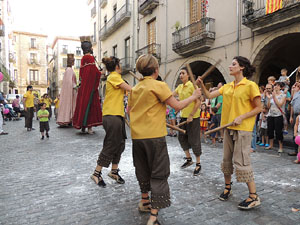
[48, 182]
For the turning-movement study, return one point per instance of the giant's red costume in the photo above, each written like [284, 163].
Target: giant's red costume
[88, 109]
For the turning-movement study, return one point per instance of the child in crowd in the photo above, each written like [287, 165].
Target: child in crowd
[284, 78]
[263, 127]
[271, 80]
[214, 124]
[204, 117]
[172, 120]
[43, 116]
[296, 133]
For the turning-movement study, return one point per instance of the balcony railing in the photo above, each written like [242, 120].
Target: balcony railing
[103, 3]
[154, 49]
[33, 46]
[115, 22]
[255, 17]
[12, 57]
[33, 62]
[146, 6]
[195, 38]
[93, 12]
[126, 64]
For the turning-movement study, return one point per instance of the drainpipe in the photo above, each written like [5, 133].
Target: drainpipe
[166, 57]
[137, 36]
[238, 26]
[133, 33]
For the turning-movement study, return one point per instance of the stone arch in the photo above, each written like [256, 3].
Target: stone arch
[206, 59]
[264, 47]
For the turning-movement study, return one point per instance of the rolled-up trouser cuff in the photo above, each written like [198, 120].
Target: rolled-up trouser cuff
[159, 201]
[144, 186]
[103, 160]
[244, 176]
[227, 168]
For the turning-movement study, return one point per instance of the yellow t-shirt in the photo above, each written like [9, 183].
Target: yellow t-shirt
[56, 102]
[114, 96]
[147, 109]
[184, 91]
[237, 100]
[29, 99]
[47, 101]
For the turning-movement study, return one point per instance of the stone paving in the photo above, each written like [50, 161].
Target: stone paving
[48, 182]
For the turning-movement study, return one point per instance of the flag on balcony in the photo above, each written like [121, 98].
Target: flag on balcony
[273, 5]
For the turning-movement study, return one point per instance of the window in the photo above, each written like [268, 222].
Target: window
[115, 51]
[33, 43]
[33, 75]
[127, 50]
[77, 63]
[64, 63]
[95, 3]
[95, 30]
[16, 75]
[65, 49]
[78, 51]
[105, 54]
[33, 58]
[151, 30]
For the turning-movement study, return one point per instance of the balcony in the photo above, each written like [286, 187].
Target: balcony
[126, 64]
[146, 6]
[34, 82]
[153, 49]
[12, 58]
[255, 17]
[122, 16]
[103, 3]
[195, 38]
[34, 62]
[93, 12]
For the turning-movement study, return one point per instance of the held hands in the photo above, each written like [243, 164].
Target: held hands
[190, 118]
[238, 121]
[197, 93]
[199, 81]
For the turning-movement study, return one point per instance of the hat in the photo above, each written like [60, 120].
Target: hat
[86, 38]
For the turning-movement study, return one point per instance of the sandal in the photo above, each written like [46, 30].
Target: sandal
[225, 196]
[187, 163]
[100, 182]
[197, 171]
[144, 206]
[114, 174]
[254, 202]
[150, 222]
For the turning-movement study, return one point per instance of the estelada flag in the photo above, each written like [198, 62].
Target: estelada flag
[273, 5]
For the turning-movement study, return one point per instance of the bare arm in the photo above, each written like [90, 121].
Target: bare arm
[207, 94]
[291, 115]
[196, 106]
[279, 103]
[178, 105]
[296, 126]
[257, 109]
[125, 86]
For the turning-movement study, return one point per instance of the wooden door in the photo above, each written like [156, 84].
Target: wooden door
[151, 37]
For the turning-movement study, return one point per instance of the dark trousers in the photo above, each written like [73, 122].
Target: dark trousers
[275, 124]
[191, 139]
[50, 112]
[114, 141]
[28, 117]
[152, 169]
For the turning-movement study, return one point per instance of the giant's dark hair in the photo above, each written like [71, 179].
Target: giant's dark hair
[86, 47]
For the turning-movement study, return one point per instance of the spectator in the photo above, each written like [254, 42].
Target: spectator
[296, 133]
[56, 102]
[263, 126]
[16, 106]
[214, 124]
[43, 115]
[46, 99]
[284, 78]
[276, 103]
[1, 116]
[271, 80]
[295, 110]
[204, 117]
[29, 108]
[172, 119]
[217, 102]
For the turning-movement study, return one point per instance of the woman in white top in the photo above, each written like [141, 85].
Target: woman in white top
[276, 102]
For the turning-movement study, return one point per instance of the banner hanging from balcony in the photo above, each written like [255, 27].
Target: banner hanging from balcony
[273, 6]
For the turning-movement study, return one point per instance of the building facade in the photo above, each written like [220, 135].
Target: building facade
[30, 67]
[200, 32]
[57, 64]
[7, 54]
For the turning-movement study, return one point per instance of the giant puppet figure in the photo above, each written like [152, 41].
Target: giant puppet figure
[67, 95]
[88, 110]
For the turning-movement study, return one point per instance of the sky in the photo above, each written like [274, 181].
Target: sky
[52, 17]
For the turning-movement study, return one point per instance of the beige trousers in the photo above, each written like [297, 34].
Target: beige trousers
[237, 144]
